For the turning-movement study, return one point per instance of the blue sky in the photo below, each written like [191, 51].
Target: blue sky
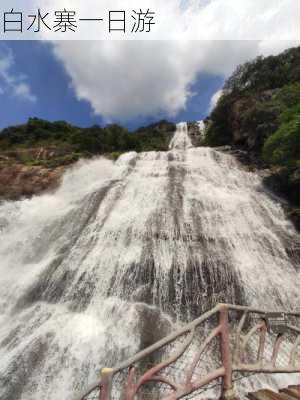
[52, 95]
[55, 99]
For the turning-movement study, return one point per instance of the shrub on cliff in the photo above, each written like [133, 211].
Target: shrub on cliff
[253, 99]
[265, 73]
[283, 147]
[260, 112]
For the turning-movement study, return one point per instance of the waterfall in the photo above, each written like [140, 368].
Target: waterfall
[123, 252]
[202, 130]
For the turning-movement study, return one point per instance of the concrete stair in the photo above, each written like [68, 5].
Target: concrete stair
[290, 393]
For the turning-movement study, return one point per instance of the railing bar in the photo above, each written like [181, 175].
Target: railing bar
[167, 340]
[187, 328]
[258, 311]
[156, 346]
[270, 370]
[293, 328]
[293, 354]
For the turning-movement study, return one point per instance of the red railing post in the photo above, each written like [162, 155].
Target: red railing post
[130, 387]
[106, 381]
[228, 392]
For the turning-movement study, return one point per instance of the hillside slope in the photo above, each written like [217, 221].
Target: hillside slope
[33, 156]
[259, 112]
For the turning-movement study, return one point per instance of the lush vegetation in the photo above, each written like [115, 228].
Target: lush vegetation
[111, 139]
[283, 148]
[253, 99]
[260, 112]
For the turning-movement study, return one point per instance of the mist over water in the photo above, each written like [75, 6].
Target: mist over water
[150, 241]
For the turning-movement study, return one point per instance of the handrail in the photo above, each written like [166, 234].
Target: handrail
[254, 310]
[229, 363]
[149, 350]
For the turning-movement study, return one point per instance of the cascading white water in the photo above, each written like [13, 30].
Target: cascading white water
[89, 270]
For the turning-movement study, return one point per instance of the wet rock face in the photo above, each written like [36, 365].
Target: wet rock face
[32, 171]
[242, 121]
[18, 181]
[196, 131]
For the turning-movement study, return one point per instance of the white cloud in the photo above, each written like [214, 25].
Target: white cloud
[11, 82]
[23, 91]
[126, 79]
[183, 19]
[268, 47]
[214, 100]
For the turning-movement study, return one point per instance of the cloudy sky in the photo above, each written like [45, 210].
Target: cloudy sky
[135, 82]
[130, 82]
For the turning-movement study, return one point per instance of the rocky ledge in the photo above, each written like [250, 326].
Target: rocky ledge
[28, 172]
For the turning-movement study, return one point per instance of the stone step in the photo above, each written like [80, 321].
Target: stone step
[293, 391]
[267, 394]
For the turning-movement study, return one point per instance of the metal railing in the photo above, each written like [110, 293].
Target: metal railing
[246, 340]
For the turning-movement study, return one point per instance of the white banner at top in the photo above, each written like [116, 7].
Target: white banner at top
[150, 20]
